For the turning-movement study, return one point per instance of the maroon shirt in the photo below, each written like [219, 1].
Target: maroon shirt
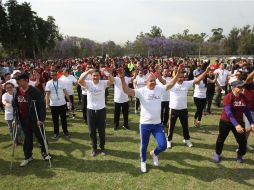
[237, 103]
[23, 105]
[249, 95]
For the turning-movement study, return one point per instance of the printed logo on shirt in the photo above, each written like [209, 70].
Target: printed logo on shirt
[95, 91]
[153, 97]
[21, 99]
[239, 103]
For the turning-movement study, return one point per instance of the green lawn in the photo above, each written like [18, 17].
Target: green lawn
[180, 167]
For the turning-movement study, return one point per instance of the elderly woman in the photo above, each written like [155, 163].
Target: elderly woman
[234, 105]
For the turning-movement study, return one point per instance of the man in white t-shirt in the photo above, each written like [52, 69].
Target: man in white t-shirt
[222, 82]
[165, 98]
[150, 120]
[55, 99]
[121, 102]
[69, 81]
[178, 105]
[96, 112]
[139, 82]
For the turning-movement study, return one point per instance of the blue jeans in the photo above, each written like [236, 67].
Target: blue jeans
[158, 133]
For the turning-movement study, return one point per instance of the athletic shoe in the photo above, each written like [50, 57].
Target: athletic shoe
[155, 158]
[55, 137]
[103, 152]
[188, 143]
[46, 156]
[216, 158]
[126, 127]
[94, 152]
[143, 167]
[169, 144]
[249, 147]
[239, 158]
[26, 161]
[67, 135]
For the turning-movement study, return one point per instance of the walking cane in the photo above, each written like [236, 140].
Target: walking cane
[44, 132]
[14, 135]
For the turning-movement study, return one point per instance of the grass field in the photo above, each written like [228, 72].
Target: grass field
[180, 167]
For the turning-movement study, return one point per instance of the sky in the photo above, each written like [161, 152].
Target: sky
[122, 20]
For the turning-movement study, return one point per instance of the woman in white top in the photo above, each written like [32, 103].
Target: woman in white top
[199, 97]
[8, 116]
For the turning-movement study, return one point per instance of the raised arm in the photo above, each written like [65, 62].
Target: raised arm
[202, 76]
[172, 82]
[159, 77]
[125, 87]
[249, 78]
[81, 80]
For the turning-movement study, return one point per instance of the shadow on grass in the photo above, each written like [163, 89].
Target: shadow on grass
[204, 173]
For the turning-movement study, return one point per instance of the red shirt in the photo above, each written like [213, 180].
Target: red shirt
[237, 103]
[23, 105]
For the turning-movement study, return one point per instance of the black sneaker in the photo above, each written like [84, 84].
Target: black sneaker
[55, 137]
[115, 128]
[67, 135]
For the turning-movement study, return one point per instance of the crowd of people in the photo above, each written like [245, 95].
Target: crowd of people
[160, 86]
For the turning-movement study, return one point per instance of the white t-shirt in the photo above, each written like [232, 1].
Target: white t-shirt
[222, 77]
[57, 97]
[119, 95]
[8, 114]
[200, 90]
[68, 82]
[166, 94]
[150, 101]
[84, 91]
[96, 94]
[178, 95]
[140, 81]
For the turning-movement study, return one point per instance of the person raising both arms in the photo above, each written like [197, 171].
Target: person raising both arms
[150, 97]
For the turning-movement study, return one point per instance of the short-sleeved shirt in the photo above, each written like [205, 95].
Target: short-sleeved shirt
[150, 101]
[8, 111]
[96, 94]
[57, 97]
[222, 77]
[166, 94]
[68, 82]
[237, 103]
[178, 95]
[119, 95]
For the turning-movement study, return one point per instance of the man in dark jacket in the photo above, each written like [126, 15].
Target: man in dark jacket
[24, 111]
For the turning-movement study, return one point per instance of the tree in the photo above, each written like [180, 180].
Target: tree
[155, 32]
[217, 35]
[231, 42]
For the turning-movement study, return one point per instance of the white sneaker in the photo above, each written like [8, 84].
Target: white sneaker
[25, 162]
[249, 147]
[169, 144]
[143, 167]
[188, 143]
[155, 158]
